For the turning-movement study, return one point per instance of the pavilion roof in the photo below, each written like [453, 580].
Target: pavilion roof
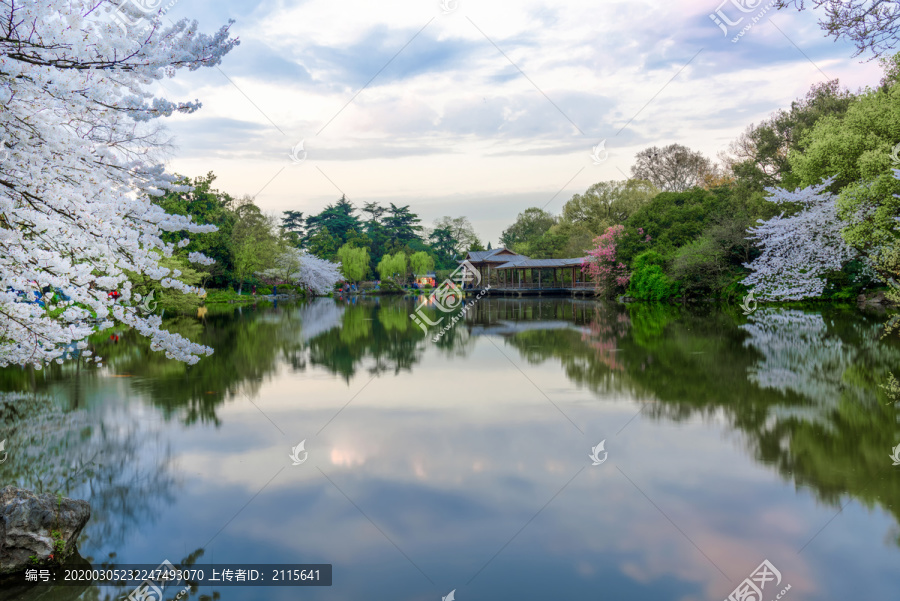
[495, 255]
[526, 263]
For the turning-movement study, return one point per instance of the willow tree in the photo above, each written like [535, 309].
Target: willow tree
[354, 262]
[421, 263]
[393, 267]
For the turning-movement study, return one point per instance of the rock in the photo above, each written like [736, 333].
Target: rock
[873, 299]
[26, 524]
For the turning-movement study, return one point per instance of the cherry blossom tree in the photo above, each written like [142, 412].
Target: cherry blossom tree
[80, 161]
[299, 267]
[608, 273]
[797, 251]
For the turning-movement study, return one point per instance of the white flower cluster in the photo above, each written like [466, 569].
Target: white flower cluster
[798, 250]
[78, 168]
[200, 259]
[298, 266]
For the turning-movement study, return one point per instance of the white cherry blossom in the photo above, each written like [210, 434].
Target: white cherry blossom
[299, 267]
[798, 250]
[80, 162]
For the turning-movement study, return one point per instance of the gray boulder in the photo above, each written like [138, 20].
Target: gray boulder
[27, 521]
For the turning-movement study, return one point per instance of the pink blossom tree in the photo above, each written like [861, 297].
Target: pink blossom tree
[609, 274]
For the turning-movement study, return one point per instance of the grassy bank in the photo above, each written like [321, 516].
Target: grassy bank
[227, 295]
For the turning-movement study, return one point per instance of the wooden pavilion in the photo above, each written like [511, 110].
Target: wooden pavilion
[508, 271]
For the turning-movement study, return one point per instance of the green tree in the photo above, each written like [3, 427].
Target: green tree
[578, 238]
[700, 235]
[393, 267]
[607, 203]
[674, 168]
[358, 239]
[671, 220]
[402, 224]
[648, 280]
[443, 243]
[890, 65]
[530, 225]
[292, 225]
[462, 233]
[759, 157]
[421, 263]
[253, 241]
[855, 149]
[338, 218]
[699, 265]
[549, 245]
[376, 232]
[322, 244]
[354, 262]
[206, 205]
[375, 213]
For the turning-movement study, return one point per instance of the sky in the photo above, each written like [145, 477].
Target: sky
[481, 109]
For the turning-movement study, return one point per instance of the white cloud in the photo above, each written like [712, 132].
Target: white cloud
[451, 116]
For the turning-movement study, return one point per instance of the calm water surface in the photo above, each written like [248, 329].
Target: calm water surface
[464, 463]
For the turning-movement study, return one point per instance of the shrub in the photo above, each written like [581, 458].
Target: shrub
[648, 280]
[700, 266]
[389, 287]
[851, 281]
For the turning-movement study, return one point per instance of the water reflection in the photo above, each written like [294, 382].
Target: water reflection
[748, 433]
[116, 457]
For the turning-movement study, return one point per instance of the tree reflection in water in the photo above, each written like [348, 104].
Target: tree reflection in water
[114, 458]
[803, 388]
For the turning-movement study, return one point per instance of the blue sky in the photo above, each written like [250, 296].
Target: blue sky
[486, 109]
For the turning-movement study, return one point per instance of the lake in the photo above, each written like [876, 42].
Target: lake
[540, 449]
